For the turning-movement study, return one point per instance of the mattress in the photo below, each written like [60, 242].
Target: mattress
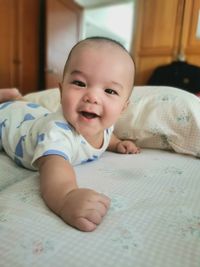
[153, 220]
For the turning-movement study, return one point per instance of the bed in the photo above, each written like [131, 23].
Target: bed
[154, 218]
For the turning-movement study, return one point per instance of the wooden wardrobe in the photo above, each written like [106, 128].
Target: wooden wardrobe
[19, 44]
[36, 37]
[165, 31]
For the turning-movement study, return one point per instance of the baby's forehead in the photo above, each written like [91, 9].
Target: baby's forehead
[103, 52]
[88, 49]
[100, 49]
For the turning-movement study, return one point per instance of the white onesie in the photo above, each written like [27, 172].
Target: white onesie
[29, 131]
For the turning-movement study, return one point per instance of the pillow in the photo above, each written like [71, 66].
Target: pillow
[49, 99]
[162, 117]
[157, 117]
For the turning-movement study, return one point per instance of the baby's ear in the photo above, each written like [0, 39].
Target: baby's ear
[60, 89]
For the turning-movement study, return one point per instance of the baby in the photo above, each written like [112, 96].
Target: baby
[97, 81]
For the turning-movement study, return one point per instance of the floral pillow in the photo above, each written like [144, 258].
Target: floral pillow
[162, 117]
[157, 117]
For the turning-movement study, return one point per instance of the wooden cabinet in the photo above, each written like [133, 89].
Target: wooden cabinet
[19, 44]
[164, 31]
[36, 37]
[63, 20]
[190, 45]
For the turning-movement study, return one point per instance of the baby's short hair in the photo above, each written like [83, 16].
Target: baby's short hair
[106, 40]
[96, 39]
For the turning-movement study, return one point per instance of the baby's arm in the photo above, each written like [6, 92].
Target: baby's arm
[122, 146]
[82, 208]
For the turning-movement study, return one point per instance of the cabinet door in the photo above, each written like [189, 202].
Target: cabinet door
[28, 41]
[19, 57]
[190, 45]
[8, 51]
[157, 37]
[62, 32]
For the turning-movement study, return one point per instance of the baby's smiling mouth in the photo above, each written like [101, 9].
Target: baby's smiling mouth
[89, 115]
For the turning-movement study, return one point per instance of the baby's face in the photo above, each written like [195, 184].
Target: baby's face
[96, 86]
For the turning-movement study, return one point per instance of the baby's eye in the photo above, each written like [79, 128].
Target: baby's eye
[111, 91]
[79, 83]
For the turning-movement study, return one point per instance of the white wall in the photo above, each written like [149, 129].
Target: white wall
[111, 21]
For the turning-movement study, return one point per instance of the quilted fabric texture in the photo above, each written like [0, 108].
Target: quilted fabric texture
[49, 99]
[153, 220]
[164, 118]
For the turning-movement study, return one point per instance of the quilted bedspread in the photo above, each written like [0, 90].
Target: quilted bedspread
[153, 221]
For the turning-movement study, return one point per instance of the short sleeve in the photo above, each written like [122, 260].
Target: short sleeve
[57, 138]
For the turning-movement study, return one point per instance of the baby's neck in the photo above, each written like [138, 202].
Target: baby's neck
[95, 141]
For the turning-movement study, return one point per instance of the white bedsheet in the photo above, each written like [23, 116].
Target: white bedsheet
[153, 221]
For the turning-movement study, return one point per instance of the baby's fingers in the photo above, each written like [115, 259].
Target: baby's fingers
[133, 150]
[121, 148]
[104, 200]
[94, 213]
[130, 148]
[84, 224]
[91, 218]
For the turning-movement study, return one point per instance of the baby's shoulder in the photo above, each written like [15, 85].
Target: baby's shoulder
[53, 123]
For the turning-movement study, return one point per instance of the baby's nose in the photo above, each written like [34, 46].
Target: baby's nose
[91, 97]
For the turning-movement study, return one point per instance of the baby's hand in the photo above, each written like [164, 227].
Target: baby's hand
[84, 209]
[127, 147]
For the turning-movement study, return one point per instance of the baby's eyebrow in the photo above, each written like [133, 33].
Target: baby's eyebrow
[79, 72]
[117, 84]
[76, 72]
